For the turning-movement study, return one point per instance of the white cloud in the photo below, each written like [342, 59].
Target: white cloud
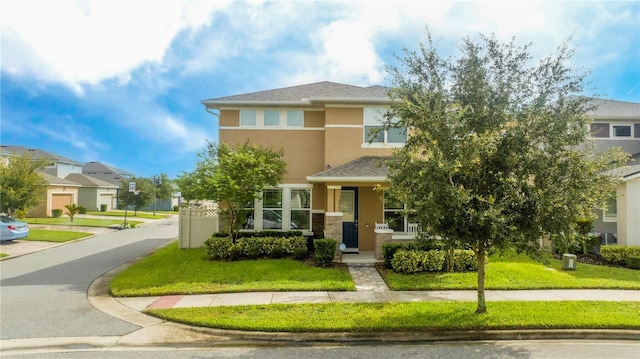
[79, 43]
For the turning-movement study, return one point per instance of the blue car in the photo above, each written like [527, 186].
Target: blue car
[11, 228]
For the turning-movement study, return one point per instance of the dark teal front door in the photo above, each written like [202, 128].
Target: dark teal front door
[349, 209]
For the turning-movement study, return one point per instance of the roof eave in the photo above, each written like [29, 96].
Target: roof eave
[335, 179]
[219, 104]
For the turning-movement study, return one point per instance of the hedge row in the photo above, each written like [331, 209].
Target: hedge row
[223, 248]
[415, 261]
[619, 255]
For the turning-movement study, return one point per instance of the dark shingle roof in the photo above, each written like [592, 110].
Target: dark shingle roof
[303, 95]
[57, 181]
[88, 181]
[37, 154]
[611, 109]
[363, 169]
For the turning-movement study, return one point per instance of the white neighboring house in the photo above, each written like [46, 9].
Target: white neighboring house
[617, 124]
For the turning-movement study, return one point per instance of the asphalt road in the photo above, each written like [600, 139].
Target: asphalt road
[44, 294]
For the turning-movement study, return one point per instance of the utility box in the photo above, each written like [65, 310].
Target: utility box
[569, 261]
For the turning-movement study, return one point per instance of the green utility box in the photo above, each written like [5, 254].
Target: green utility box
[569, 261]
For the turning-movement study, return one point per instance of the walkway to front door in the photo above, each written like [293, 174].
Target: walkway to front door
[367, 278]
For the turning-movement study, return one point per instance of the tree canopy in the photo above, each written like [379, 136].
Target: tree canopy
[140, 200]
[498, 153]
[21, 184]
[233, 178]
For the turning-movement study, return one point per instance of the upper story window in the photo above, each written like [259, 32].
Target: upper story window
[271, 118]
[615, 130]
[374, 132]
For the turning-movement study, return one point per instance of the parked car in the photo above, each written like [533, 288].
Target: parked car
[11, 228]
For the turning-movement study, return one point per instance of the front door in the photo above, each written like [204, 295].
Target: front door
[349, 209]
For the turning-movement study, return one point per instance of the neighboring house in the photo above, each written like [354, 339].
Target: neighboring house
[94, 194]
[67, 184]
[617, 124]
[60, 192]
[105, 172]
[335, 153]
[332, 168]
[57, 166]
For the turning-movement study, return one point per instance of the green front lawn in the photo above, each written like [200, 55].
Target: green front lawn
[45, 235]
[188, 271]
[414, 317]
[85, 222]
[520, 272]
[132, 214]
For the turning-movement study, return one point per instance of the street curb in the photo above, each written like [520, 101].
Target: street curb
[158, 331]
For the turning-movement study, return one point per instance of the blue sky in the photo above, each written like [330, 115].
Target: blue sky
[121, 82]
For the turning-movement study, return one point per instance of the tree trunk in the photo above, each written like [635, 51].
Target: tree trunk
[451, 258]
[482, 307]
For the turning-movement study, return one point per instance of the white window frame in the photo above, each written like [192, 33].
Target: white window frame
[612, 135]
[286, 209]
[374, 117]
[608, 216]
[283, 118]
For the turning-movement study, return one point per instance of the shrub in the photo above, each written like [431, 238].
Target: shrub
[235, 252]
[633, 262]
[389, 250]
[82, 210]
[406, 261]
[464, 260]
[218, 248]
[432, 261]
[176, 208]
[325, 250]
[276, 252]
[300, 253]
[618, 255]
[56, 213]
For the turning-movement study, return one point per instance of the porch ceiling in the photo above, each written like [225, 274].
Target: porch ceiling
[363, 169]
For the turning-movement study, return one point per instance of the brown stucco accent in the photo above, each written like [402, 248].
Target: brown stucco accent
[314, 119]
[344, 115]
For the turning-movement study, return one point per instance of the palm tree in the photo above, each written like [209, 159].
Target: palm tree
[72, 209]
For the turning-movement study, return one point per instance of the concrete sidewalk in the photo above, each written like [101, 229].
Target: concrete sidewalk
[260, 298]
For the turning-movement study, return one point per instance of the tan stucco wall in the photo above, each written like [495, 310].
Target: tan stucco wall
[370, 212]
[44, 209]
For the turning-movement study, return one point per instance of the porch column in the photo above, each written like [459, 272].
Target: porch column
[333, 227]
[382, 236]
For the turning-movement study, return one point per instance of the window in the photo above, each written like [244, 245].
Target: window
[374, 131]
[284, 208]
[248, 117]
[272, 117]
[621, 131]
[611, 211]
[301, 209]
[272, 209]
[395, 215]
[600, 130]
[295, 118]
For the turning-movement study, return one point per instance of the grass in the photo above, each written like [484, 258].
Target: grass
[132, 214]
[415, 317]
[45, 235]
[520, 272]
[188, 271]
[85, 222]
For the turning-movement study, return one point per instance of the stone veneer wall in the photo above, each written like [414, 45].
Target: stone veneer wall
[333, 228]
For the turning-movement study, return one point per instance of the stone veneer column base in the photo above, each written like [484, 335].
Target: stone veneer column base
[333, 229]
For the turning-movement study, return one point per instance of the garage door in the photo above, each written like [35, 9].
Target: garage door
[106, 199]
[58, 201]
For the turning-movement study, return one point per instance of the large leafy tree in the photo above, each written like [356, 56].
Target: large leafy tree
[499, 153]
[235, 177]
[140, 200]
[21, 184]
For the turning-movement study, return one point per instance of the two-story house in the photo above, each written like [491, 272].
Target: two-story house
[66, 183]
[332, 167]
[617, 124]
[335, 150]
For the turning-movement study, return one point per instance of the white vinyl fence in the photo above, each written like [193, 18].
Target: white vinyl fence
[197, 225]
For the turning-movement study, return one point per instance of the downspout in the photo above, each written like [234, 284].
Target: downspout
[217, 114]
